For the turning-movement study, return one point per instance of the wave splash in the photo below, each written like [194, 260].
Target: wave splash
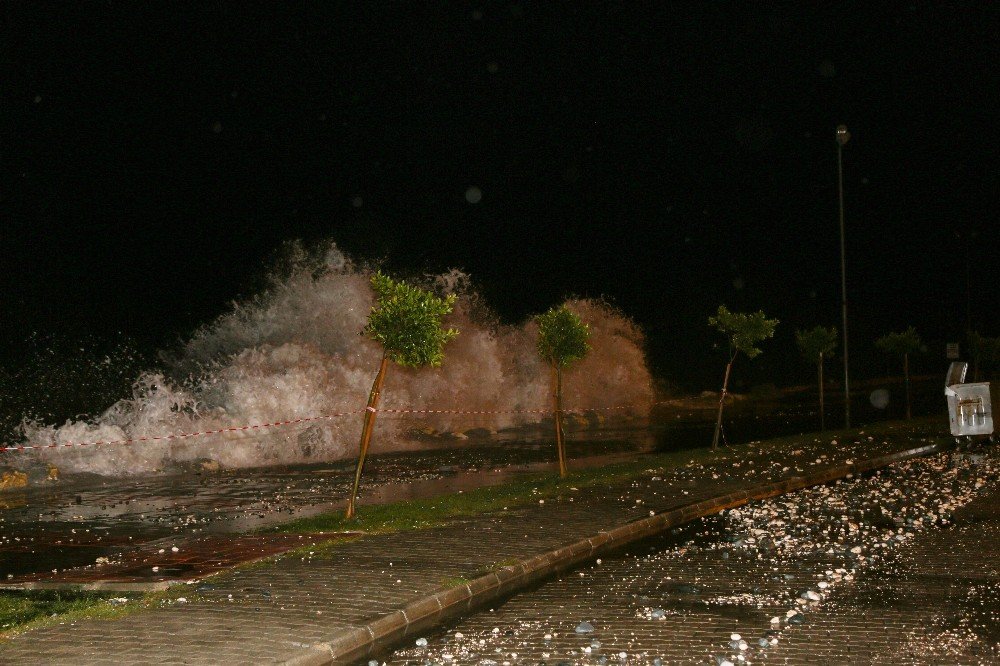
[295, 351]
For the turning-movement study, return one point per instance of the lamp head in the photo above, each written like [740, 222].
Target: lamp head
[843, 136]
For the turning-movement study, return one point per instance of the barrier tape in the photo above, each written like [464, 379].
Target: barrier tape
[184, 435]
[276, 424]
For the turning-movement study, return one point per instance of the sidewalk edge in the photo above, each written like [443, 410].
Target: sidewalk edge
[386, 632]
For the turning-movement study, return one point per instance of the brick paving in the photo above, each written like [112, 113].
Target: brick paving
[938, 602]
[272, 611]
[53, 533]
[929, 599]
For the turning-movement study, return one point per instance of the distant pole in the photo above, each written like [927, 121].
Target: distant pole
[842, 137]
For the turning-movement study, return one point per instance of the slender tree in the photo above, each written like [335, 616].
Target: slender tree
[815, 345]
[902, 344]
[744, 331]
[406, 321]
[562, 340]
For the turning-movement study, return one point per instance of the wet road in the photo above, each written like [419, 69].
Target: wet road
[52, 527]
[63, 525]
[871, 570]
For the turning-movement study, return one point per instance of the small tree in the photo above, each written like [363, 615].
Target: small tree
[902, 345]
[406, 321]
[744, 331]
[815, 345]
[562, 340]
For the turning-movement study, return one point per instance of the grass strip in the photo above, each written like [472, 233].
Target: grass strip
[437, 511]
[25, 610]
[434, 511]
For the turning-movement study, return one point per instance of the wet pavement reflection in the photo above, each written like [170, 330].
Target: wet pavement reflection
[71, 530]
[88, 528]
[850, 572]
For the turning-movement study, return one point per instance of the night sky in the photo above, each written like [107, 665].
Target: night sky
[154, 157]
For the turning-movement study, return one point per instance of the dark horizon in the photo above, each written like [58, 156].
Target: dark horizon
[154, 162]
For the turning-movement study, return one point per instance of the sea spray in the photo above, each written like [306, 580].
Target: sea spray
[295, 351]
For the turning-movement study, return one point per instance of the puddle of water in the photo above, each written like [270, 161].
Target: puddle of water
[112, 516]
[22, 561]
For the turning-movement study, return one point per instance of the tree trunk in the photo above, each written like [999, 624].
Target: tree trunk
[906, 383]
[366, 431]
[560, 445]
[822, 411]
[722, 402]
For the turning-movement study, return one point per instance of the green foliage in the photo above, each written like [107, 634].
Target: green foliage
[562, 337]
[819, 340]
[407, 322]
[22, 610]
[744, 330]
[900, 344]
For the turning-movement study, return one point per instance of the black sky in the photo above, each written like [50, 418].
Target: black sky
[668, 156]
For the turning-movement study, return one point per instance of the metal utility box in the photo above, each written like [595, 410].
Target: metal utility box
[969, 407]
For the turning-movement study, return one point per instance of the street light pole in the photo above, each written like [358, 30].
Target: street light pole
[842, 137]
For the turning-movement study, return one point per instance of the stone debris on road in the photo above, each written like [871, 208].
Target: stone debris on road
[706, 590]
[764, 569]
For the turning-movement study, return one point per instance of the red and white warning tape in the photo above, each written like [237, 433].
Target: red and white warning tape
[278, 424]
[183, 435]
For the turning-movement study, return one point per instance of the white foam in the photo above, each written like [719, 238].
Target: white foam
[295, 351]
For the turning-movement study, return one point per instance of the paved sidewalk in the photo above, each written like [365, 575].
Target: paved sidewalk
[908, 577]
[276, 611]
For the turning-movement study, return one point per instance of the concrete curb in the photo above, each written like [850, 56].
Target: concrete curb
[388, 631]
